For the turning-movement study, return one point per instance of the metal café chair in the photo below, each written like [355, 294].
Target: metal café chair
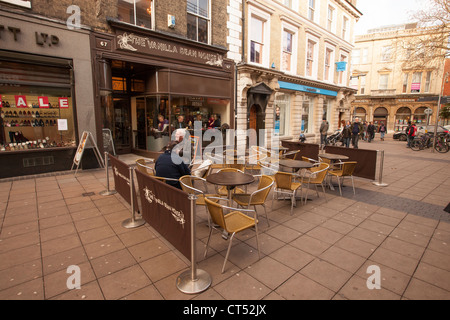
[258, 197]
[141, 165]
[233, 222]
[316, 177]
[346, 170]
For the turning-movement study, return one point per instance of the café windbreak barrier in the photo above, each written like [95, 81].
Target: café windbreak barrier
[124, 185]
[167, 210]
[366, 159]
[308, 150]
[171, 212]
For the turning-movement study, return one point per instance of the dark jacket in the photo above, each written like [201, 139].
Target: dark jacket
[347, 132]
[167, 168]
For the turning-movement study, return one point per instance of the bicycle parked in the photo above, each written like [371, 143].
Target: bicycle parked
[426, 141]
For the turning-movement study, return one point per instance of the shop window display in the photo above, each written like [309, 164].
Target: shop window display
[35, 118]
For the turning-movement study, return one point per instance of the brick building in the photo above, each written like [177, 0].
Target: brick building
[108, 64]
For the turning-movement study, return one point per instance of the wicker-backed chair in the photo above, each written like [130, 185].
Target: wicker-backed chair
[258, 197]
[316, 177]
[346, 170]
[233, 222]
[141, 165]
[285, 183]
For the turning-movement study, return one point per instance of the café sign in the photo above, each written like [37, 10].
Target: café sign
[154, 46]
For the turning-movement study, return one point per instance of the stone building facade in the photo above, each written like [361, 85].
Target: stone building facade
[287, 55]
[390, 90]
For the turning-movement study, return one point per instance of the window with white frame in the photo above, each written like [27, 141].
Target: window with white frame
[256, 40]
[20, 3]
[427, 82]
[362, 84]
[198, 20]
[345, 28]
[416, 82]
[288, 38]
[405, 83]
[329, 63]
[259, 36]
[383, 82]
[311, 9]
[365, 55]
[331, 18]
[137, 12]
[288, 49]
[312, 56]
[386, 53]
[356, 56]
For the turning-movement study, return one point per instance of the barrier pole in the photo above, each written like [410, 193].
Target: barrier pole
[107, 192]
[132, 222]
[195, 280]
[380, 183]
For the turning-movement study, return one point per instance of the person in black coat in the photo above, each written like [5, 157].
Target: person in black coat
[171, 165]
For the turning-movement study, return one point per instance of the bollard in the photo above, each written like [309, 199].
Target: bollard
[132, 222]
[195, 280]
[107, 192]
[380, 183]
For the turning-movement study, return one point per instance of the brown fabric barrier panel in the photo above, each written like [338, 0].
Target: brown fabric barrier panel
[168, 210]
[367, 160]
[121, 172]
[308, 150]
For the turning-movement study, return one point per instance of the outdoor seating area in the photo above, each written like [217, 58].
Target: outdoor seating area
[319, 250]
[232, 186]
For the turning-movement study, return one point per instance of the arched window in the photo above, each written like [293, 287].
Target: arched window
[419, 115]
[380, 115]
[402, 117]
[360, 113]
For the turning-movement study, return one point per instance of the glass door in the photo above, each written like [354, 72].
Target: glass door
[122, 125]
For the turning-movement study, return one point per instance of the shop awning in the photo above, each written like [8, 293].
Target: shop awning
[299, 87]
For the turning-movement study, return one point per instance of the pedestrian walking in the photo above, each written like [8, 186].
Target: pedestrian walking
[365, 135]
[370, 132]
[383, 131]
[347, 134]
[357, 128]
[323, 133]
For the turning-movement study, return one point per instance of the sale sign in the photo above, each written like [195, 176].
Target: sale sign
[21, 101]
[64, 103]
[43, 102]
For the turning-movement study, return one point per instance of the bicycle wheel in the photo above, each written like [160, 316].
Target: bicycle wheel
[441, 146]
[416, 145]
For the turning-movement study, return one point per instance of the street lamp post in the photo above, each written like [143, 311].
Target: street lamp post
[444, 80]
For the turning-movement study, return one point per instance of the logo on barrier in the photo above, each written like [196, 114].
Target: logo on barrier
[118, 174]
[177, 215]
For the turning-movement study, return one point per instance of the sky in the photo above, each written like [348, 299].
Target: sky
[377, 13]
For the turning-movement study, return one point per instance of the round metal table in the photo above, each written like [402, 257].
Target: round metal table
[295, 164]
[230, 180]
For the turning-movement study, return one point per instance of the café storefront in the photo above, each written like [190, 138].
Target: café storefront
[149, 84]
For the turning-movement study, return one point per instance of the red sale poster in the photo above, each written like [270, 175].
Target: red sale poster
[64, 103]
[43, 102]
[21, 101]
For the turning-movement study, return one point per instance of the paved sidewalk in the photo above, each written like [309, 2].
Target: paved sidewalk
[322, 251]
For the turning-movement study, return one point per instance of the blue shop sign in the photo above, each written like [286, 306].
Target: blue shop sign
[299, 87]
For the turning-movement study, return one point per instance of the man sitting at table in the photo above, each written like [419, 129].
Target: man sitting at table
[171, 165]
